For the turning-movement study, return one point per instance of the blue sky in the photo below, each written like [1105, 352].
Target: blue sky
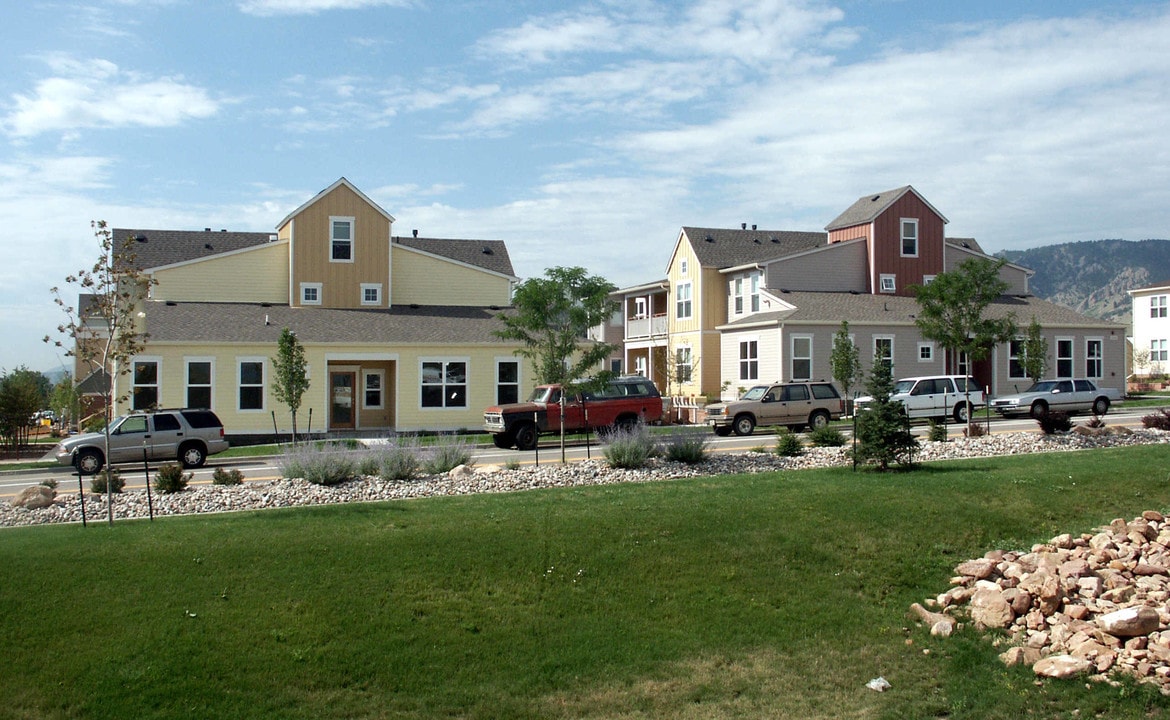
[580, 133]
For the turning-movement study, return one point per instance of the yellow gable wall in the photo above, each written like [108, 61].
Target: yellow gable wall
[402, 383]
[259, 275]
[311, 247]
[428, 280]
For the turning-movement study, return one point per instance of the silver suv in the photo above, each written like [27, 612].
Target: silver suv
[187, 435]
[792, 404]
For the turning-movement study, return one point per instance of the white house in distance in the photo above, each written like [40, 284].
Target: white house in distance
[1151, 330]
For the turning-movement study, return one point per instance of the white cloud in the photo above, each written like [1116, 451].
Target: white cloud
[266, 8]
[95, 93]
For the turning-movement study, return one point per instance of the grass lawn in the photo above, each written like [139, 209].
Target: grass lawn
[764, 596]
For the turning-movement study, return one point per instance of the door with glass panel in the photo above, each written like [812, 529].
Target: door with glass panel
[341, 399]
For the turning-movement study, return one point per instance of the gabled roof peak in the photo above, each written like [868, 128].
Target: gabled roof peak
[868, 207]
[340, 181]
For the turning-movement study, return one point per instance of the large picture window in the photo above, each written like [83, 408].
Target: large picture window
[144, 393]
[444, 384]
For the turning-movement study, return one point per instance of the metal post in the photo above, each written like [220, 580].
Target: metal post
[854, 453]
[81, 496]
[146, 472]
[536, 425]
[275, 432]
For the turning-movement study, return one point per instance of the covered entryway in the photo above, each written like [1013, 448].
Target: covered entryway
[341, 399]
[361, 393]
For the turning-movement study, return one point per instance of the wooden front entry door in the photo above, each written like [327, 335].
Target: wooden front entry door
[342, 407]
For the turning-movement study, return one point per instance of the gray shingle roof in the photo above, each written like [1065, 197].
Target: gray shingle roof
[818, 308]
[155, 248]
[722, 248]
[488, 254]
[245, 323]
[868, 207]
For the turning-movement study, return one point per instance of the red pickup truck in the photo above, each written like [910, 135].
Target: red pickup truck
[622, 403]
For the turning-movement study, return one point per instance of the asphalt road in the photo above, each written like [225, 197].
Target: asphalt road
[265, 468]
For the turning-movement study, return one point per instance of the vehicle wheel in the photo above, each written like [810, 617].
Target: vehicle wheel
[744, 424]
[526, 437]
[1039, 409]
[1100, 406]
[722, 430]
[503, 441]
[89, 462]
[962, 412]
[625, 424]
[192, 455]
[818, 420]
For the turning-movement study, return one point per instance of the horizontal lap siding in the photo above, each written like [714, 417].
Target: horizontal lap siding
[427, 280]
[259, 275]
[838, 269]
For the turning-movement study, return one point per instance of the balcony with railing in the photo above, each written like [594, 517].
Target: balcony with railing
[640, 328]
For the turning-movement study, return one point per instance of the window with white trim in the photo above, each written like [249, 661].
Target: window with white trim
[199, 374]
[928, 279]
[754, 292]
[682, 301]
[340, 239]
[1158, 306]
[1158, 351]
[371, 293]
[1064, 357]
[682, 364]
[144, 392]
[311, 293]
[508, 381]
[909, 237]
[883, 349]
[1015, 359]
[888, 283]
[925, 352]
[1094, 358]
[749, 360]
[373, 389]
[802, 357]
[250, 384]
[737, 293]
[682, 267]
[443, 384]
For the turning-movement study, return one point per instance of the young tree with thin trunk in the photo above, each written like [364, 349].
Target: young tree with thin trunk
[104, 328]
[291, 374]
[952, 312]
[1034, 358]
[845, 361]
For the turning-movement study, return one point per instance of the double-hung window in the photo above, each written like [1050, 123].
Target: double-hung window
[883, 349]
[754, 292]
[144, 392]
[1064, 357]
[1015, 359]
[1158, 351]
[738, 293]
[250, 383]
[802, 357]
[682, 301]
[373, 382]
[683, 365]
[508, 381]
[444, 384]
[909, 237]
[341, 239]
[749, 360]
[1094, 358]
[199, 374]
[1158, 306]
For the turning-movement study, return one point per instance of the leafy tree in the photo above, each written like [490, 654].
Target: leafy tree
[65, 401]
[552, 316]
[1034, 357]
[291, 374]
[103, 328]
[951, 311]
[883, 429]
[20, 398]
[845, 360]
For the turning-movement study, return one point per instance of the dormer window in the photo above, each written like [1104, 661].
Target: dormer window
[341, 239]
[909, 237]
[888, 284]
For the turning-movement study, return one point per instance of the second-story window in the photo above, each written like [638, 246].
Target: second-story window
[682, 305]
[738, 293]
[754, 292]
[1158, 306]
[888, 283]
[341, 239]
[371, 293]
[909, 237]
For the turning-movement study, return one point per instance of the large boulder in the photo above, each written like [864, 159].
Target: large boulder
[35, 497]
[1061, 666]
[1130, 621]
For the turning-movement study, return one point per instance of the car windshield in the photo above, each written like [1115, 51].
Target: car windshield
[539, 394]
[902, 387]
[755, 393]
[1042, 386]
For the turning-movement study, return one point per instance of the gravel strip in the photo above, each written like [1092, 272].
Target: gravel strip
[493, 479]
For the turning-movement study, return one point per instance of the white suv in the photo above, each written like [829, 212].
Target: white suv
[935, 396]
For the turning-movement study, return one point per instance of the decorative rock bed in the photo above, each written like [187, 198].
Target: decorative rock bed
[296, 492]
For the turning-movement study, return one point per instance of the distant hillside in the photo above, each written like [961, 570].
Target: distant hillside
[1093, 276]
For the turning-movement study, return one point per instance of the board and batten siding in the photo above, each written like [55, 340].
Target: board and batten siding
[257, 274]
[312, 250]
[428, 280]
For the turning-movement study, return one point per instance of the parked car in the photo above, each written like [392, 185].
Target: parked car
[1066, 395]
[623, 402]
[188, 435]
[793, 404]
[935, 396]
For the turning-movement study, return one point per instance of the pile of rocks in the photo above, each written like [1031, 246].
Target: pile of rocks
[1092, 604]
[48, 507]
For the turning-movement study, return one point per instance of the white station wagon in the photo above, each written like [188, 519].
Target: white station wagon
[936, 396]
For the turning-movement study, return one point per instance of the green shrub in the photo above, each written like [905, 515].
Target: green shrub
[975, 430]
[98, 483]
[936, 432]
[227, 477]
[322, 463]
[629, 448]
[399, 459]
[788, 443]
[686, 446]
[1157, 421]
[450, 452]
[512, 464]
[1054, 421]
[826, 437]
[170, 478]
